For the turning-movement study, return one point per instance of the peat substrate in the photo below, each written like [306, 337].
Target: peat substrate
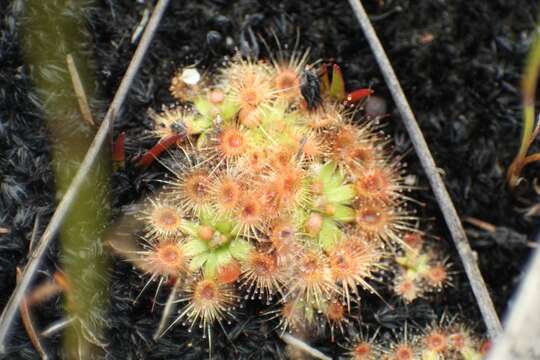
[459, 63]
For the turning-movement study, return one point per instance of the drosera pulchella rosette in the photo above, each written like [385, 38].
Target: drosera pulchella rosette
[280, 193]
[207, 300]
[262, 275]
[274, 194]
[419, 268]
[352, 263]
[444, 339]
[335, 316]
[362, 346]
[162, 219]
[149, 237]
[161, 259]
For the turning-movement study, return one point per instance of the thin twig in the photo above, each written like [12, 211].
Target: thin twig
[481, 224]
[297, 343]
[441, 194]
[43, 292]
[67, 201]
[58, 326]
[34, 235]
[79, 91]
[169, 307]
[140, 27]
[29, 325]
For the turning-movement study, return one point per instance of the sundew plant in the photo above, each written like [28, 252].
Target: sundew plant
[283, 189]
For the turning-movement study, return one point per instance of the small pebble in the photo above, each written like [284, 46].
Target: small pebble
[375, 106]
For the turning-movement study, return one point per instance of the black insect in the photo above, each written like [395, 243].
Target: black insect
[178, 128]
[310, 87]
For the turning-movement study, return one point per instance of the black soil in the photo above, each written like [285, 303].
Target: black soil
[459, 63]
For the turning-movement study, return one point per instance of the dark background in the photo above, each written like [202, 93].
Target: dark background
[459, 63]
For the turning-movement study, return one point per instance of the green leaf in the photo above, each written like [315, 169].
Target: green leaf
[469, 353]
[195, 247]
[325, 172]
[430, 355]
[325, 80]
[528, 89]
[202, 105]
[412, 274]
[210, 267]
[240, 249]
[190, 228]
[529, 85]
[344, 213]
[223, 255]
[229, 109]
[198, 261]
[337, 88]
[272, 116]
[207, 216]
[330, 234]
[224, 226]
[200, 124]
[422, 264]
[343, 194]
[337, 179]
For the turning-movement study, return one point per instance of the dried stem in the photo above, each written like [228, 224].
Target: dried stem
[34, 235]
[297, 343]
[481, 224]
[79, 91]
[439, 189]
[67, 201]
[142, 24]
[169, 307]
[58, 326]
[29, 325]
